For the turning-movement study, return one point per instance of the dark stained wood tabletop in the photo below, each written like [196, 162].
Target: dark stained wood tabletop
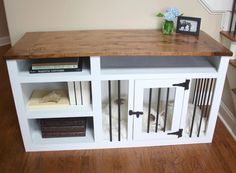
[113, 43]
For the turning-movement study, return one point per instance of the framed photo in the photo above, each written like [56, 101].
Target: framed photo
[188, 25]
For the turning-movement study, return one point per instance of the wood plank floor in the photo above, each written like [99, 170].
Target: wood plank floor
[218, 157]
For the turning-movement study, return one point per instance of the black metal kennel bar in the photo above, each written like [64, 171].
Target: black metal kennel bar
[195, 106]
[111, 91]
[166, 109]
[158, 108]
[204, 105]
[90, 91]
[202, 99]
[194, 92]
[202, 93]
[199, 91]
[149, 110]
[110, 109]
[210, 95]
[119, 103]
[232, 18]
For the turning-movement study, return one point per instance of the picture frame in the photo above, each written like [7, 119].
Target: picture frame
[188, 25]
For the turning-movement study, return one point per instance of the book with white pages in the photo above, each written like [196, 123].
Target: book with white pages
[71, 92]
[82, 92]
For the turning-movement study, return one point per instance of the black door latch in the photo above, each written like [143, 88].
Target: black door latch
[135, 113]
[184, 84]
[178, 133]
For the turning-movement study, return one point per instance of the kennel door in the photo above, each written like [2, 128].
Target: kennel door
[157, 108]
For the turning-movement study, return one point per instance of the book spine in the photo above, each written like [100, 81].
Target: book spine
[42, 67]
[63, 129]
[83, 93]
[54, 70]
[71, 92]
[62, 134]
[78, 91]
[63, 122]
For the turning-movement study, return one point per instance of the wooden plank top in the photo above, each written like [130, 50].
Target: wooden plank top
[229, 35]
[113, 43]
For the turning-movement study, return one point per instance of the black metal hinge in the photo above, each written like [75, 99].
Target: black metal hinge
[178, 133]
[135, 113]
[184, 84]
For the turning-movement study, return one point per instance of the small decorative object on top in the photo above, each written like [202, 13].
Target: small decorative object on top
[188, 25]
[169, 17]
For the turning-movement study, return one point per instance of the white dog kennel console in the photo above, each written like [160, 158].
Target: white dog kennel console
[136, 87]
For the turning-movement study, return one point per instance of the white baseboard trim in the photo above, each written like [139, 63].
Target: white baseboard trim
[228, 119]
[5, 40]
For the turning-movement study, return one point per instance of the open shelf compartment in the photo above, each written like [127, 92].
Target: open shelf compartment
[140, 65]
[57, 99]
[24, 66]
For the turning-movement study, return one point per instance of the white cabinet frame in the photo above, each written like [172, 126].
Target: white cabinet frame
[139, 78]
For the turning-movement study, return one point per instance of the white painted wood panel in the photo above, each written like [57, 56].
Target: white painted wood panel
[24, 83]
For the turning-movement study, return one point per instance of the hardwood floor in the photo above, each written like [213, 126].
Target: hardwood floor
[218, 157]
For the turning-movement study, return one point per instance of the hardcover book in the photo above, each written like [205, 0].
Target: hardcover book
[54, 70]
[62, 134]
[63, 127]
[56, 65]
[71, 92]
[62, 122]
[83, 93]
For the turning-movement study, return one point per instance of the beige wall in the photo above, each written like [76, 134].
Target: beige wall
[43, 15]
[3, 22]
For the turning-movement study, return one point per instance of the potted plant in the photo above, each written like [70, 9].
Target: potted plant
[169, 17]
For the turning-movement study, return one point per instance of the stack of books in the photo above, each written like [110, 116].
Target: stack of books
[80, 93]
[63, 127]
[56, 65]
